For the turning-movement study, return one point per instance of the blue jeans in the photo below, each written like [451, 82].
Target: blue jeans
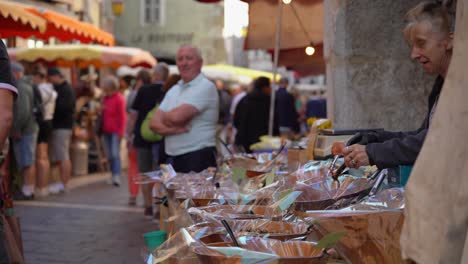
[112, 142]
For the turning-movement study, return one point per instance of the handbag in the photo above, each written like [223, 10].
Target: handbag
[146, 133]
[11, 243]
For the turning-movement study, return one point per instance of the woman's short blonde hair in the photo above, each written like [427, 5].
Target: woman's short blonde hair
[435, 12]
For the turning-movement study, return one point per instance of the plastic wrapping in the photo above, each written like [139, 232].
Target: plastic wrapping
[260, 250]
[237, 212]
[163, 176]
[372, 228]
[323, 194]
[311, 172]
[387, 199]
[212, 232]
[370, 236]
[185, 247]
[263, 207]
[178, 249]
[258, 164]
[280, 230]
[202, 190]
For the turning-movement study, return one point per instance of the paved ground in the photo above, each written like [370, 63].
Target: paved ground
[90, 224]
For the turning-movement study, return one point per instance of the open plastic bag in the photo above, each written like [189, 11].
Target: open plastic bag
[177, 249]
[236, 212]
[372, 228]
[261, 250]
[213, 232]
[187, 248]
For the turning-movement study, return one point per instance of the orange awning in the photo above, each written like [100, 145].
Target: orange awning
[66, 28]
[84, 55]
[16, 21]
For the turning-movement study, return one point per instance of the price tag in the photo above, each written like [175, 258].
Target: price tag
[238, 174]
[288, 200]
[270, 178]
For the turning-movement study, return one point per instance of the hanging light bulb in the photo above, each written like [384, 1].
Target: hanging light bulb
[287, 2]
[310, 50]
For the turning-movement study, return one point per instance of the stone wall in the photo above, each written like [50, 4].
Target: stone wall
[371, 79]
[184, 22]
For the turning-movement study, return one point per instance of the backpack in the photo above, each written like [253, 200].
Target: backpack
[38, 107]
[146, 133]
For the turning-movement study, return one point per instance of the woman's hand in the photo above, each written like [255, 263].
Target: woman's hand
[355, 156]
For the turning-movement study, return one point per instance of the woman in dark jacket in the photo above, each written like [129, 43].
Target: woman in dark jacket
[429, 32]
[252, 115]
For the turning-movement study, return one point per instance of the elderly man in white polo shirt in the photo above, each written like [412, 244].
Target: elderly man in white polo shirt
[188, 115]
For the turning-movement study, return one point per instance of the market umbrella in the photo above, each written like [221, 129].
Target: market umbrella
[297, 60]
[85, 55]
[299, 24]
[233, 73]
[16, 21]
[66, 28]
[19, 20]
[229, 73]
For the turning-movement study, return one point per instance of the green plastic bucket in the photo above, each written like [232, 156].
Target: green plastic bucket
[155, 239]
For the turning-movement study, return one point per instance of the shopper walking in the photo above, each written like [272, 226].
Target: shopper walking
[113, 124]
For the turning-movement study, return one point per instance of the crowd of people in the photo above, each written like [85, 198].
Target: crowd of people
[41, 132]
[163, 118]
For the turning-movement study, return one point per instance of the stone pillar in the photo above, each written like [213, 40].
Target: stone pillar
[371, 79]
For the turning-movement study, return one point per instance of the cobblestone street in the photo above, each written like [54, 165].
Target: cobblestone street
[90, 224]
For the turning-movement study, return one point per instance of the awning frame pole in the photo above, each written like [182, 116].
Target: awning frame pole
[275, 67]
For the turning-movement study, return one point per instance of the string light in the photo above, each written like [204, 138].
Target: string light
[287, 2]
[310, 50]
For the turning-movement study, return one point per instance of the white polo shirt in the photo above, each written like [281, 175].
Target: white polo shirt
[202, 94]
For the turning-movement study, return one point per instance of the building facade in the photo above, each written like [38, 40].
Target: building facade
[162, 26]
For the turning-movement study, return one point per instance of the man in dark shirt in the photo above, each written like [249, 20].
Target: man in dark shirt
[147, 152]
[62, 125]
[286, 110]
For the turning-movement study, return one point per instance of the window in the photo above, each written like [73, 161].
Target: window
[152, 12]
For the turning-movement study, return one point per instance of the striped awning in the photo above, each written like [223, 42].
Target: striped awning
[14, 18]
[27, 21]
[66, 28]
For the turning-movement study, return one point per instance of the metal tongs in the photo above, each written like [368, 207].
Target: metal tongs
[335, 174]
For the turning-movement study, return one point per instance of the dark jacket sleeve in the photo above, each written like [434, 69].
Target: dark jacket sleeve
[65, 105]
[239, 122]
[397, 151]
[391, 149]
[382, 136]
